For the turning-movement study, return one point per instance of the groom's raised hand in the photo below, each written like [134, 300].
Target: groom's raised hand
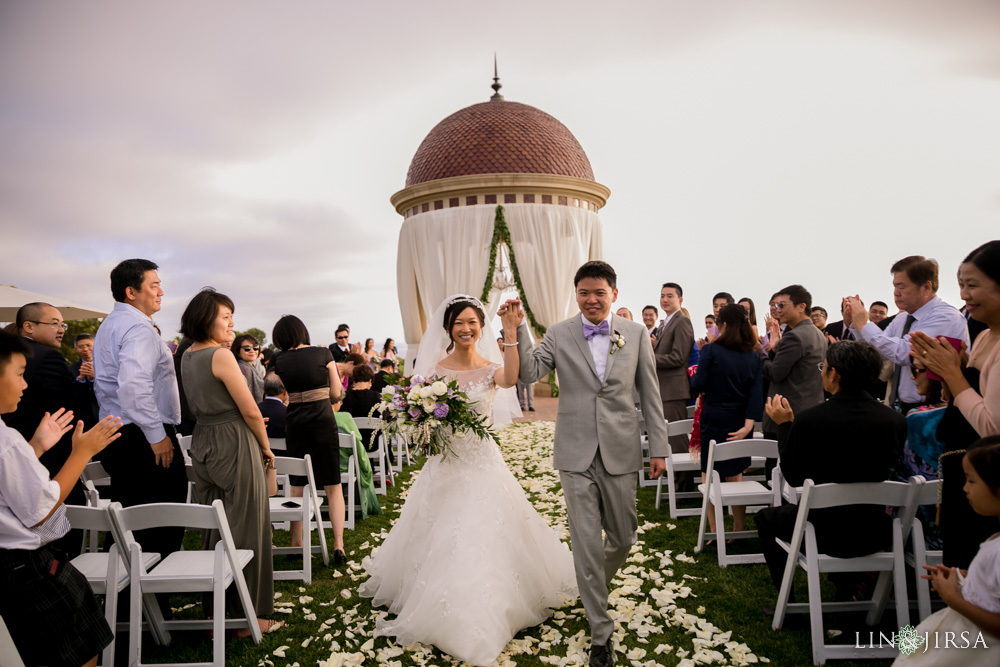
[657, 466]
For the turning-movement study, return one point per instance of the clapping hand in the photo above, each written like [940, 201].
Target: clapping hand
[936, 354]
[774, 335]
[778, 409]
[855, 313]
[51, 429]
[97, 438]
[944, 580]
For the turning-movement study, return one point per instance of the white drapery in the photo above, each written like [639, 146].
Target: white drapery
[448, 251]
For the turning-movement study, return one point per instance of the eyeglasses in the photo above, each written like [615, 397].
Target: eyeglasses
[58, 325]
[342, 337]
[247, 348]
[779, 306]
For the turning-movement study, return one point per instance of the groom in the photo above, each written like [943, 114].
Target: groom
[600, 358]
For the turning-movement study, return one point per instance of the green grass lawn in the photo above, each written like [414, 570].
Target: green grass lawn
[672, 606]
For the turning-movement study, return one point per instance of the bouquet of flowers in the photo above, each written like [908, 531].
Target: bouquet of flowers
[425, 411]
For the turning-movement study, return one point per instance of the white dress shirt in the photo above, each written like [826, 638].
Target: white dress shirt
[134, 374]
[27, 495]
[934, 318]
[600, 345]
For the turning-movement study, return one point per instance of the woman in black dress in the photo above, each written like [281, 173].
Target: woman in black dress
[310, 376]
[729, 376]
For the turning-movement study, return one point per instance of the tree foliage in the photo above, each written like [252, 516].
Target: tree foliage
[76, 327]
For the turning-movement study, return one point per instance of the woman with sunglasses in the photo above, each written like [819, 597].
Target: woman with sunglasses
[247, 351]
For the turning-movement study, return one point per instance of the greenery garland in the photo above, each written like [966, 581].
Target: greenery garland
[501, 233]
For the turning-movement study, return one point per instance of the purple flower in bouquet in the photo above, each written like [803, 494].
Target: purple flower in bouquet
[416, 379]
[415, 413]
[441, 411]
[398, 402]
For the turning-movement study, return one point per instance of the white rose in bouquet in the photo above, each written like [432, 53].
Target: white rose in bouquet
[429, 404]
[413, 396]
[439, 388]
[388, 392]
[427, 392]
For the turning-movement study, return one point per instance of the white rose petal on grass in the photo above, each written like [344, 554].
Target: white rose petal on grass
[701, 610]
[346, 593]
[280, 651]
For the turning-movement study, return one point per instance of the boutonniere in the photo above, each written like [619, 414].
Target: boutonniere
[617, 342]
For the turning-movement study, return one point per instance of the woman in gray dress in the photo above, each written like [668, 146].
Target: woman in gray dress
[229, 448]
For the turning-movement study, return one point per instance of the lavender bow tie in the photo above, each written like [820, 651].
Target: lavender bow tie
[591, 330]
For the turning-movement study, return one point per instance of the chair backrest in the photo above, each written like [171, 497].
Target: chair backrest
[367, 422]
[184, 442]
[817, 496]
[928, 492]
[156, 515]
[347, 441]
[95, 472]
[277, 444]
[724, 451]
[88, 518]
[680, 427]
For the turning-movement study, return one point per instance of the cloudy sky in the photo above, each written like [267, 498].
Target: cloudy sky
[253, 146]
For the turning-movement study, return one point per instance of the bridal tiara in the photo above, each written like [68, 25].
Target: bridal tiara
[465, 297]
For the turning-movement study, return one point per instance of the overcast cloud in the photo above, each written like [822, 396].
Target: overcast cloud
[253, 146]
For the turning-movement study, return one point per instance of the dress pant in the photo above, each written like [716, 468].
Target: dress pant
[137, 480]
[596, 499]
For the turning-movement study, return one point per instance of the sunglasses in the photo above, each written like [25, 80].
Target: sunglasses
[247, 348]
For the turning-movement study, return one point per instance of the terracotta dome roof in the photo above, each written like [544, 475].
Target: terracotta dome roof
[498, 137]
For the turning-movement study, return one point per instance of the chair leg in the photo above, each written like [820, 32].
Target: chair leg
[720, 531]
[307, 544]
[219, 624]
[815, 607]
[135, 616]
[881, 597]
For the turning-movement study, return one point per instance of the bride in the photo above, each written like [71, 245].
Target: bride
[469, 563]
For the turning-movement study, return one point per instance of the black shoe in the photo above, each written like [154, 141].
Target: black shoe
[601, 655]
[339, 557]
[531, 409]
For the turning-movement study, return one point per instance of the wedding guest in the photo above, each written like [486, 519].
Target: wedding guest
[878, 311]
[709, 322]
[274, 406]
[625, 313]
[51, 386]
[751, 311]
[84, 372]
[311, 377]
[672, 344]
[389, 350]
[729, 376]
[649, 317]
[370, 354]
[47, 605]
[247, 351]
[718, 301]
[976, 392]
[819, 316]
[229, 447]
[793, 357]
[342, 347]
[135, 378]
[840, 330]
[915, 285]
[856, 428]
[385, 367]
[361, 398]
[367, 496]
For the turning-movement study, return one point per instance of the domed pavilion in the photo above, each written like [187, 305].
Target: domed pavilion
[499, 195]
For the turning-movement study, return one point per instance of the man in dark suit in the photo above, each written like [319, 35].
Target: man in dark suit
[386, 367]
[342, 347]
[51, 386]
[838, 330]
[672, 344]
[83, 370]
[850, 438]
[793, 357]
[273, 407]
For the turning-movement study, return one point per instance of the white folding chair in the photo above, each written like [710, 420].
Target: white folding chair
[187, 571]
[350, 481]
[9, 657]
[91, 476]
[105, 572]
[644, 479]
[678, 462]
[817, 496]
[690, 411]
[277, 444]
[299, 509]
[184, 442]
[402, 453]
[381, 467]
[749, 493]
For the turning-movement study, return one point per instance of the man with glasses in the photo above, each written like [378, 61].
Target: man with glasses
[51, 385]
[793, 356]
[342, 347]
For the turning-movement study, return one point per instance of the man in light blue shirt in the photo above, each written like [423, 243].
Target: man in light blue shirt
[134, 378]
[915, 285]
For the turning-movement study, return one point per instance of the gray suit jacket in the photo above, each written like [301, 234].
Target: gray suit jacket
[793, 369]
[673, 351]
[592, 415]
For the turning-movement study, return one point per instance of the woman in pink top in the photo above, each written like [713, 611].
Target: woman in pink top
[979, 284]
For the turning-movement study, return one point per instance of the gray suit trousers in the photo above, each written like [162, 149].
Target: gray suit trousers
[596, 499]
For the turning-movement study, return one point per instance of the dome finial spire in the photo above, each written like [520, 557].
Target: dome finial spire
[496, 82]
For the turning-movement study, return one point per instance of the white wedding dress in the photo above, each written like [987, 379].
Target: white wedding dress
[469, 563]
